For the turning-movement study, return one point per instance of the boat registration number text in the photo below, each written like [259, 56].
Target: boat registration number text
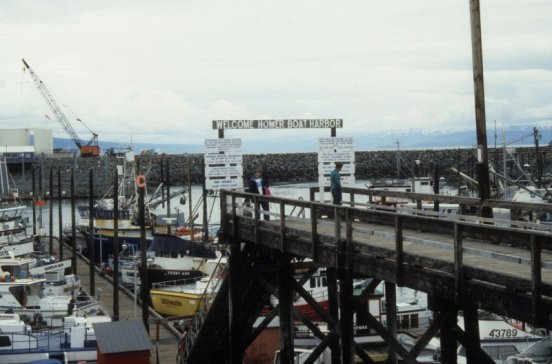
[498, 333]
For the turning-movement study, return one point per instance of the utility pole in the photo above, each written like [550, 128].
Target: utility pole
[479, 93]
[537, 137]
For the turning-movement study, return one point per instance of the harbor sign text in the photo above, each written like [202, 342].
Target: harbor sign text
[278, 124]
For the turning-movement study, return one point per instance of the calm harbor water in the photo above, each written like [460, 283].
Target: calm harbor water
[291, 191]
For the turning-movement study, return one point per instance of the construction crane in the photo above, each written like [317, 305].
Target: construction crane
[90, 149]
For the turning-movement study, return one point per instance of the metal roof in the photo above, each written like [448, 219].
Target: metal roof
[122, 336]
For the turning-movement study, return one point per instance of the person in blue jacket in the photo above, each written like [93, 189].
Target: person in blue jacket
[335, 184]
[259, 185]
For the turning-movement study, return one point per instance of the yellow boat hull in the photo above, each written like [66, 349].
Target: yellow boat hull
[171, 303]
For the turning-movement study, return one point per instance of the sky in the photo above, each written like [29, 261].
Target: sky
[161, 71]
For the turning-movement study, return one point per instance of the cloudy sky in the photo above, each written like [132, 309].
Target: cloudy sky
[161, 71]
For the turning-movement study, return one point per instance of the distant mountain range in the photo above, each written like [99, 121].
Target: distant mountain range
[413, 139]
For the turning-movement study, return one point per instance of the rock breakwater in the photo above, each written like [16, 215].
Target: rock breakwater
[278, 168]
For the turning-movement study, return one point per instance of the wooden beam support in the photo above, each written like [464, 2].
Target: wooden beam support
[390, 340]
[448, 336]
[234, 280]
[536, 278]
[391, 314]
[472, 342]
[430, 333]
[399, 254]
[285, 296]
[458, 264]
[346, 309]
[314, 232]
[477, 355]
[283, 240]
[333, 316]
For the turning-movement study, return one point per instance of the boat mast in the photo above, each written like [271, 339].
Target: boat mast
[190, 211]
[398, 161]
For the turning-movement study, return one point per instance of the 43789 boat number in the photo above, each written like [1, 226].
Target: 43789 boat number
[498, 333]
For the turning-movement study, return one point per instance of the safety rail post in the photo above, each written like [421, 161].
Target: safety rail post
[349, 240]
[536, 276]
[337, 229]
[314, 230]
[257, 216]
[352, 198]
[399, 254]
[224, 209]
[458, 264]
[283, 240]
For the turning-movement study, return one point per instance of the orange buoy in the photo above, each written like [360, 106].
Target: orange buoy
[140, 181]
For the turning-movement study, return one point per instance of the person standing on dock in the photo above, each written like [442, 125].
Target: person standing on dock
[335, 184]
[257, 184]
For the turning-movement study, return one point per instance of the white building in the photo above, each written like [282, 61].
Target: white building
[17, 143]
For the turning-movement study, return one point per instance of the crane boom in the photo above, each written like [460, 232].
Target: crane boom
[86, 150]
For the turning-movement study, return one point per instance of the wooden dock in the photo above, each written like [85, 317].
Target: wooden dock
[463, 263]
[164, 337]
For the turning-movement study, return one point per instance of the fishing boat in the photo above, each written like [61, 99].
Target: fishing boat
[412, 315]
[174, 258]
[129, 231]
[47, 289]
[185, 296]
[13, 225]
[72, 342]
[533, 195]
[538, 353]
[179, 297]
[498, 338]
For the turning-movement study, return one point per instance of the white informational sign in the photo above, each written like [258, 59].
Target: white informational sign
[214, 146]
[223, 158]
[336, 156]
[223, 164]
[345, 180]
[217, 184]
[332, 143]
[326, 169]
[332, 150]
[223, 171]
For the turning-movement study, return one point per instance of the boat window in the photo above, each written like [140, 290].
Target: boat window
[324, 281]
[5, 341]
[404, 321]
[413, 321]
[313, 282]
[174, 254]
[500, 352]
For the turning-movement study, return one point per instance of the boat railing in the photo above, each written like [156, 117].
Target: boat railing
[174, 283]
[38, 339]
